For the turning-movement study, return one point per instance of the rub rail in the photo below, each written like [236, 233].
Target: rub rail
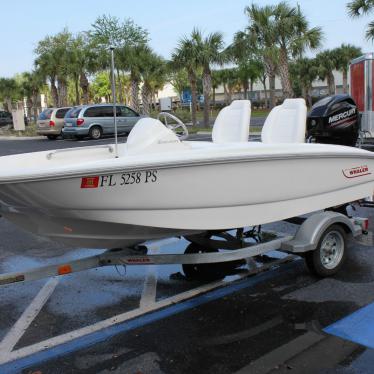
[50, 154]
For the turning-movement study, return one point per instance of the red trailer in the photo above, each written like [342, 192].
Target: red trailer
[361, 89]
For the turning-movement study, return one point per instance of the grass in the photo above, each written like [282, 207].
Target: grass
[30, 130]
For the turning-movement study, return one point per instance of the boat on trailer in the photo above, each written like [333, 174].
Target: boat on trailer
[162, 185]
[159, 185]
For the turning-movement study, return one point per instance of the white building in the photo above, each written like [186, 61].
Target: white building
[319, 89]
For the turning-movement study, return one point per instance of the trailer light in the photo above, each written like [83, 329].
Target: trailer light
[363, 223]
[64, 269]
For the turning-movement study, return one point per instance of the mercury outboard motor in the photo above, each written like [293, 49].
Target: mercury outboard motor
[334, 120]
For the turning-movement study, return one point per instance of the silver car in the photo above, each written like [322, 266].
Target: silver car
[51, 121]
[97, 120]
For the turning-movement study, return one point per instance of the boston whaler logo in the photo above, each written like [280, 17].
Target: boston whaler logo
[358, 171]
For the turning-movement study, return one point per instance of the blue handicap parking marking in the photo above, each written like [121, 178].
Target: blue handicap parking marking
[357, 327]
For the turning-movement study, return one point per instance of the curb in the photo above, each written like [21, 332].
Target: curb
[12, 137]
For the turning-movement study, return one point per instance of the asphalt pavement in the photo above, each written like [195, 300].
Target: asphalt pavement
[152, 320]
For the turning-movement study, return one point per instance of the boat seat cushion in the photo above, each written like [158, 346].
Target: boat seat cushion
[232, 123]
[286, 123]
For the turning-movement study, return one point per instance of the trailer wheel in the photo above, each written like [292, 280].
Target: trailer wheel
[203, 272]
[329, 256]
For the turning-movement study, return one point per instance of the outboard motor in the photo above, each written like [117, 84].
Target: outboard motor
[334, 120]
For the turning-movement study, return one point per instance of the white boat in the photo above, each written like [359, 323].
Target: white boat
[160, 185]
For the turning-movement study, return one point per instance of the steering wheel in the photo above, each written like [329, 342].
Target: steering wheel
[174, 127]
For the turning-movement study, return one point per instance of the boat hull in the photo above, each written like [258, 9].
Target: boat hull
[123, 208]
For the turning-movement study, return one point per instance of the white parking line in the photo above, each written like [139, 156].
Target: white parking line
[148, 296]
[64, 338]
[30, 313]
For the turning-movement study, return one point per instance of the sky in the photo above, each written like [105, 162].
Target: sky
[25, 22]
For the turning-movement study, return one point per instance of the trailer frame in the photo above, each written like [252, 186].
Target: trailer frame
[306, 240]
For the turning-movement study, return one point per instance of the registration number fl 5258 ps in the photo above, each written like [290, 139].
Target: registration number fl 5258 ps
[124, 179]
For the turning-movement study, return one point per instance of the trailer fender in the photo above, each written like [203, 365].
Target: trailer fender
[310, 232]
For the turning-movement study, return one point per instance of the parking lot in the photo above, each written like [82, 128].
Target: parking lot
[152, 320]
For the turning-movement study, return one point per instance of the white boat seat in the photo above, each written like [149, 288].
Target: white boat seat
[286, 123]
[232, 123]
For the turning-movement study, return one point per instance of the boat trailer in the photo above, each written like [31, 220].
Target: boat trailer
[320, 239]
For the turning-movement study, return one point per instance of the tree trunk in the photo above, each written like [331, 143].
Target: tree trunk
[54, 92]
[284, 74]
[230, 90]
[120, 89]
[345, 81]
[35, 105]
[305, 93]
[207, 86]
[309, 97]
[226, 93]
[8, 102]
[229, 93]
[76, 86]
[84, 86]
[263, 80]
[331, 83]
[245, 89]
[214, 97]
[146, 93]
[134, 100]
[62, 93]
[272, 90]
[193, 84]
[270, 72]
[29, 106]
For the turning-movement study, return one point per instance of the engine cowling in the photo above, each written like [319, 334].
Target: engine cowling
[334, 120]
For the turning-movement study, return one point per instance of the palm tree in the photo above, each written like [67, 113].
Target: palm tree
[152, 71]
[31, 86]
[209, 51]
[304, 72]
[259, 38]
[84, 61]
[184, 57]
[293, 36]
[250, 66]
[357, 8]
[177, 78]
[54, 61]
[327, 63]
[216, 81]
[130, 59]
[249, 71]
[346, 53]
[101, 87]
[47, 65]
[9, 90]
[230, 81]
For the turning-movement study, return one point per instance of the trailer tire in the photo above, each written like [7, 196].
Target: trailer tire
[203, 272]
[328, 258]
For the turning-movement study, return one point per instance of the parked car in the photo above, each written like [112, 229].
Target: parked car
[51, 121]
[97, 120]
[5, 118]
